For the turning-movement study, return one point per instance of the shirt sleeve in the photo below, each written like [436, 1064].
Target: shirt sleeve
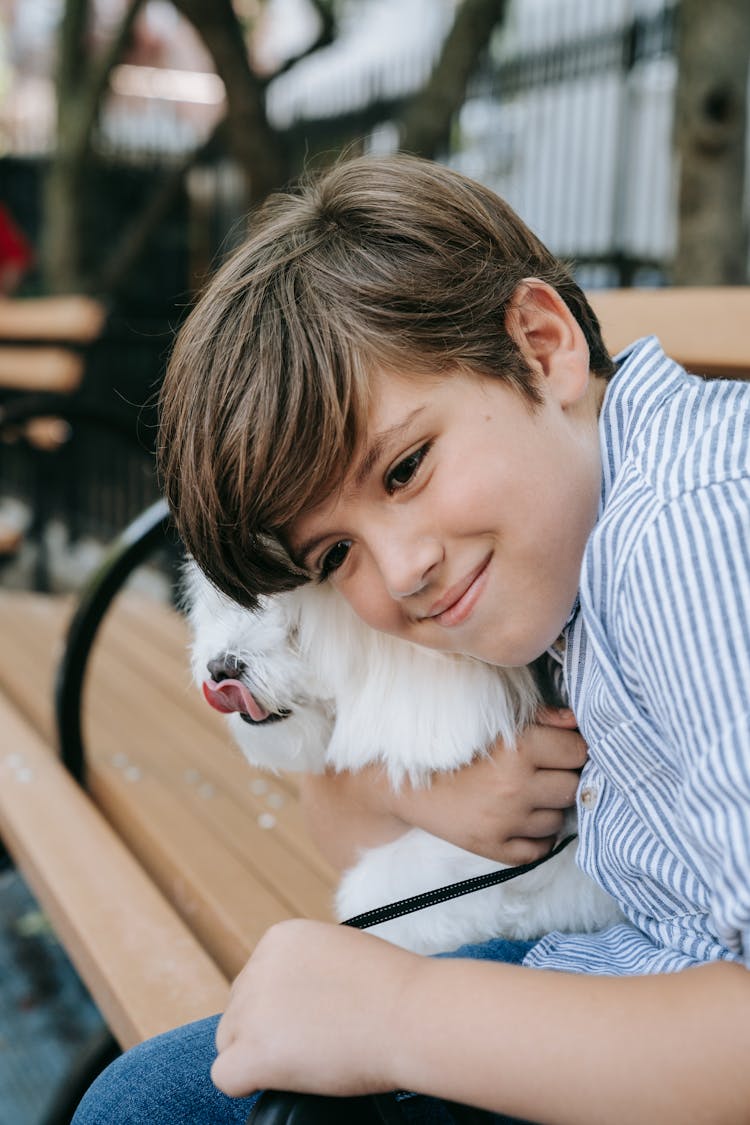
[686, 625]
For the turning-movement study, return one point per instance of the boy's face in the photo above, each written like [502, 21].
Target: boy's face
[463, 521]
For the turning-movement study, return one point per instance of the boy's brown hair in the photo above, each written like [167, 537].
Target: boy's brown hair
[390, 262]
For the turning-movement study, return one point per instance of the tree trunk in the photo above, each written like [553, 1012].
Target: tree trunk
[81, 83]
[257, 147]
[62, 234]
[426, 121]
[711, 129]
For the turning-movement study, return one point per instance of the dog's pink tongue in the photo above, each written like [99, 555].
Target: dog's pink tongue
[232, 695]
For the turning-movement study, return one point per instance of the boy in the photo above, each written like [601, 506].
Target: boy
[396, 388]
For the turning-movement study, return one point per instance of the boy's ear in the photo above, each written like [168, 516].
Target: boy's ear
[550, 339]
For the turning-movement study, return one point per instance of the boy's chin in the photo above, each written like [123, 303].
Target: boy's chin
[508, 652]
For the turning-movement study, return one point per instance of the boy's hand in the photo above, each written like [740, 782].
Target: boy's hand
[314, 1010]
[508, 806]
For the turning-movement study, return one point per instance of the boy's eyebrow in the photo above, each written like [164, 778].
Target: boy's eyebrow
[375, 450]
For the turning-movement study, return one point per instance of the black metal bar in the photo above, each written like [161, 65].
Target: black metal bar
[135, 545]
[98, 1053]
[16, 411]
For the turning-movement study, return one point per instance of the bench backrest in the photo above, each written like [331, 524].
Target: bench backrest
[706, 330]
[42, 341]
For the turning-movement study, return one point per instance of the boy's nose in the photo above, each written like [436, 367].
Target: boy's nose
[406, 564]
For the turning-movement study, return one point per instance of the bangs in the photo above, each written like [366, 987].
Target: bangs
[284, 393]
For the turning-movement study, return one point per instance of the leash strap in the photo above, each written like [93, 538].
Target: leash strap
[453, 890]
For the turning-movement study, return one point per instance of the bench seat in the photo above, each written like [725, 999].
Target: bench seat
[223, 843]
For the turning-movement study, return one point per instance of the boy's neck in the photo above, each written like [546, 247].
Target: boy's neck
[597, 389]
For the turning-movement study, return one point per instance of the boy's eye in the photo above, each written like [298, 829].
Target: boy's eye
[402, 473]
[334, 558]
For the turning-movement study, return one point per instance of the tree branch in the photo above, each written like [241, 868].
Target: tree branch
[71, 50]
[256, 146]
[102, 67]
[426, 121]
[324, 38]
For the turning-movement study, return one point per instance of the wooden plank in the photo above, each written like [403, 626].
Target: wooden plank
[253, 840]
[219, 900]
[32, 628]
[40, 369]
[72, 317]
[144, 968]
[175, 734]
[228, 864]
[703, 329]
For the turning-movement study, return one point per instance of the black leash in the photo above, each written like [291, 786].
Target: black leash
[453, 890]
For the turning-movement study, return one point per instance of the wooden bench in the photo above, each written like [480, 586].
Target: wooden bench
[161, 874]
[706, 330]
[43, 347]
[162, 877]
[43, 341]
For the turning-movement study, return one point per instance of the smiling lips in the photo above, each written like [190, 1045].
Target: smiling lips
[456, 606]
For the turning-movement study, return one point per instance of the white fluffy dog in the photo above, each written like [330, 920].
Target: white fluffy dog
[306, 685]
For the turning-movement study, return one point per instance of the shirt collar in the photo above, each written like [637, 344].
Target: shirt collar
[645, 378]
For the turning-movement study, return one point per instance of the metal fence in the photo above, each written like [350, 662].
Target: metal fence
[571, 122]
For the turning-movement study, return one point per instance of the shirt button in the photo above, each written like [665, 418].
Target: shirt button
[588, 797]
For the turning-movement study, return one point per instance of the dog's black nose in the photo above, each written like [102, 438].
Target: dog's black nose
[225, 667]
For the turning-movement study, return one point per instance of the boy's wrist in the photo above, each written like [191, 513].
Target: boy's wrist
[408, 1014]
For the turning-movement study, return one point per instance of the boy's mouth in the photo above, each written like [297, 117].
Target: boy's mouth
[457, 604]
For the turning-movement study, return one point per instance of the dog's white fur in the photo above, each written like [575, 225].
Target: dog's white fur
[357, 697]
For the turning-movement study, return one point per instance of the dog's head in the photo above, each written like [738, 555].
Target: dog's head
[307, 684]
[249, 667]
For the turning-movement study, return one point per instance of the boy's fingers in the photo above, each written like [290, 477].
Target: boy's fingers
[545, 824]
[566, 751]
[561, 717]
[229, 1072]
[554, 789]
[524, 849]
[223, 1035]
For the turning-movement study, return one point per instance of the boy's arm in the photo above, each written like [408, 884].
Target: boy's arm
[558, 1048]
[507, 806]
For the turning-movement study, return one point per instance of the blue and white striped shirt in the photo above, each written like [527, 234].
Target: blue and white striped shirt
[657, 667]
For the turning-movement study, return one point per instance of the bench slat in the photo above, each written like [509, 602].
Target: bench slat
[72, 317]
[40, 369]
[224, 905]
[703, 329]
[178, 793]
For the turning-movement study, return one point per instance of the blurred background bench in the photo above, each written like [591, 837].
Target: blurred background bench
[76, 434]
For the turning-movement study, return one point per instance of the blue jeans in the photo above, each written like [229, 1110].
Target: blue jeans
[166, 1080]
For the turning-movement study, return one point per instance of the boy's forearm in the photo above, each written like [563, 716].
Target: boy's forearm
[507, 806]
[346, 812]
[573, 1050]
